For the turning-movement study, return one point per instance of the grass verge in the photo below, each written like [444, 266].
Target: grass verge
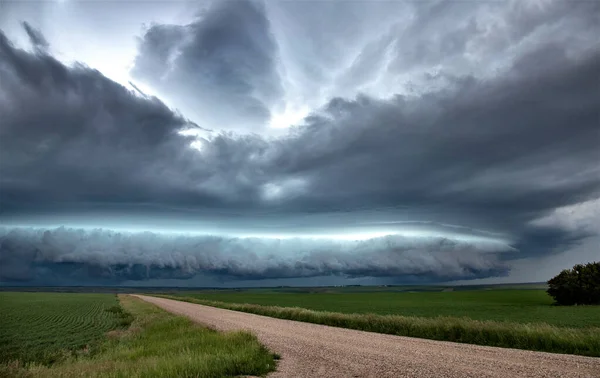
[531, 336]
[502, 305]
[159, 344]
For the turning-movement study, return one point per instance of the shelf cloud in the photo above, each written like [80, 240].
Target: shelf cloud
[481, 118]
[68, 255]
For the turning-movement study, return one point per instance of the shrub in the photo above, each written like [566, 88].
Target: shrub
[579, 285]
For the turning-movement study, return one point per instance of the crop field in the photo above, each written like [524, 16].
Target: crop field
[43, 327]
[51, 334]
[159, 344]
[521, 318]
[505, 305]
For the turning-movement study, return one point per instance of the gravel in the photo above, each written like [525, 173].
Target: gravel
[312, 350]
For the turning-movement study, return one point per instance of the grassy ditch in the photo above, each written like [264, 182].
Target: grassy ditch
[158, 344]
[531, 336]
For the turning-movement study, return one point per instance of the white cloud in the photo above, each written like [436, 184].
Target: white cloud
[583, 216]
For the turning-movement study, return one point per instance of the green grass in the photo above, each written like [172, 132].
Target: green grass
[159, 344]
[515, 306]
[46, 327]
[503, 318]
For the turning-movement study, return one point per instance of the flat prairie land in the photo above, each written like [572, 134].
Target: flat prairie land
[45, 327]
[511, 318]
[502, 305]
[102, 335]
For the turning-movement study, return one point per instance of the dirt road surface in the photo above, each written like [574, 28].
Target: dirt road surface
[312, 350]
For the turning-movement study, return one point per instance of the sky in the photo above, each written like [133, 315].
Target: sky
[250, 143]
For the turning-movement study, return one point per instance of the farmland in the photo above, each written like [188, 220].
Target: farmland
[506, 305]
[42, 327]
[65, 335]
[515, 318]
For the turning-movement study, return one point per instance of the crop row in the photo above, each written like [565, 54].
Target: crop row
[41, 327]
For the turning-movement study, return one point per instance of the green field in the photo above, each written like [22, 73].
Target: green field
[43, 327]
[159, 344]
[65, 335]
[506, 305]
[520, 318]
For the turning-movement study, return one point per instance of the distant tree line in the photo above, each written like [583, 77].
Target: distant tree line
[579, 285]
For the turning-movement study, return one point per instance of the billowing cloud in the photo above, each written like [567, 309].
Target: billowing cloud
[69, 133]
[221, 68]
[583, 216]
[500, 134]
[52, 256]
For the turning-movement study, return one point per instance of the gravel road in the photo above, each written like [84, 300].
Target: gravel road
[312, 350]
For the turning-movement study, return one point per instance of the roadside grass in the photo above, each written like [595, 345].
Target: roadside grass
[503, 305]
[159, 344]
[531, 336]
[45, 328]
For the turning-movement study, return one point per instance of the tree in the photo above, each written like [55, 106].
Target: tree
[576, 286]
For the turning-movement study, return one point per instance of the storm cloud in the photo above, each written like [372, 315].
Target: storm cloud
[221, 67]
[59, 255]
[490, 124]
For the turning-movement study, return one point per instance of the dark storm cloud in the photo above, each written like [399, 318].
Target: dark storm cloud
[504, 142]
[71, 134]
[496, 149]
[66, 254]
[220, 68]
[496, 153]
[493, 153]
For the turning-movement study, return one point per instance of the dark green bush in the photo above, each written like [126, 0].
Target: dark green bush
[579, 285]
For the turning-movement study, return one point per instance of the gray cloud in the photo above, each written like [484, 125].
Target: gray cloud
[86, 138]
[514, 126]
[459, 37]
[35, 36]
[400, 47]
[49, 256]
[492, 147]
[220, 68]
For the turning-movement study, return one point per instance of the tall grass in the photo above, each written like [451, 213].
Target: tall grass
[532, 336]
[159, 344]
[506, 305]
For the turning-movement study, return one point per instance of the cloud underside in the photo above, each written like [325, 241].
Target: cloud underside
[495, 151]
[66, 255]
